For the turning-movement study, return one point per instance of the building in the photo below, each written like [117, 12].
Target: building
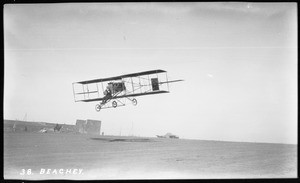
[80, 125]
[88, 126]
[93, 127]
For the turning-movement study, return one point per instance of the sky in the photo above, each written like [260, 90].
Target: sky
[238, 60]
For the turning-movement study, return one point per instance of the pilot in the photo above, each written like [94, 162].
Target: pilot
[107, 93]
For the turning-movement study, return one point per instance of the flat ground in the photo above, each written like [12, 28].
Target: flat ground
[111, 157]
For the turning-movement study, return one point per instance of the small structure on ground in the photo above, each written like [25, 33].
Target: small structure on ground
[14, 127]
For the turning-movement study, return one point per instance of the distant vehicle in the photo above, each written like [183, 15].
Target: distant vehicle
[121, 87]
[168, 135]
[43, 130]
[57, 127]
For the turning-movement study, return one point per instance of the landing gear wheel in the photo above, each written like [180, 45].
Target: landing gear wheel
[98, 107]
[134, 101]
[114, 104]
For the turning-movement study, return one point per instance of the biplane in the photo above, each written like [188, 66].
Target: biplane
[114, 91]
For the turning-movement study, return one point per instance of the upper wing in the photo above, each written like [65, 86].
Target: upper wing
[142, 73]
[122, 76]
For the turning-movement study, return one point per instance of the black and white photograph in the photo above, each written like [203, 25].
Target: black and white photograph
[150, 90]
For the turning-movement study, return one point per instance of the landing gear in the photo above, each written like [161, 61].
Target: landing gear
[98, 107]
[114, 104]
[134, 101]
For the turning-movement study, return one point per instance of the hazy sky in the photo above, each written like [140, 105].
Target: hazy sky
[238, 60]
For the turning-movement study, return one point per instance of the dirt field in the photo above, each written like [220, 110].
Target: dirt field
[76, 156]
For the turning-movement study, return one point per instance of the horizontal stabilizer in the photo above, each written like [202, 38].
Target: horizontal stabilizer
[171, 81]
[87, 92]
